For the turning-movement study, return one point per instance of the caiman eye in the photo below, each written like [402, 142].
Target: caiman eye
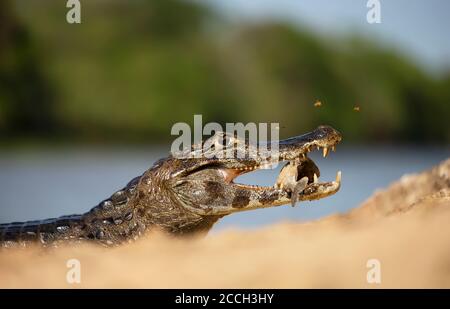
[219, 141]
[228, 140]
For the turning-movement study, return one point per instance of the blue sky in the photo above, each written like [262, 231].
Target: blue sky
[417, 27]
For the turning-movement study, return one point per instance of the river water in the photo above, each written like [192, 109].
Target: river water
[36, 184]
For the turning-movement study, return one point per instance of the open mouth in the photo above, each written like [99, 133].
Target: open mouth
[299, 177]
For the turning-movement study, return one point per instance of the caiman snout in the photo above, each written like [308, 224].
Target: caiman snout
[324, 137]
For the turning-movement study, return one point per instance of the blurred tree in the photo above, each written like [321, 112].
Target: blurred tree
[133, 68]
[26, 98]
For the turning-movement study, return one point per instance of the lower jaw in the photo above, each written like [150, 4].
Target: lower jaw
[230, 175]
[315, 183]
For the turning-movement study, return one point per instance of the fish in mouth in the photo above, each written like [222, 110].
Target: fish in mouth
[296, 175]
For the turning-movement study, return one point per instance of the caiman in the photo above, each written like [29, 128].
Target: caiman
[188, 194]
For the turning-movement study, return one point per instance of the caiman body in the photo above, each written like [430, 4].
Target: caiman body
[188, 194]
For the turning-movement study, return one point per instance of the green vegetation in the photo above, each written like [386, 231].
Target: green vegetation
[132, 69]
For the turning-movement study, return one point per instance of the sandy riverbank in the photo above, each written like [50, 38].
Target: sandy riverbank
[406, 227]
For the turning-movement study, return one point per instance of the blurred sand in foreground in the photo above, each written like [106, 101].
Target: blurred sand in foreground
[406, 227]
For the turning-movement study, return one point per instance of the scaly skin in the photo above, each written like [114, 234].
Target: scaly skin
[182, 194]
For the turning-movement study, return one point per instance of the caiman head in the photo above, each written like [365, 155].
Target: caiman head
[201, 179]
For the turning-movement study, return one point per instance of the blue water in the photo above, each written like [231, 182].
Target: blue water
[48, 183]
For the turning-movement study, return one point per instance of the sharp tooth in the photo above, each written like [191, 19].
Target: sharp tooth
[315, 178]
[325, 151]
[338, 177]
[303, 156]
[333, 148]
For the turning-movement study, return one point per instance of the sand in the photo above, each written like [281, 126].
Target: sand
[405, 228]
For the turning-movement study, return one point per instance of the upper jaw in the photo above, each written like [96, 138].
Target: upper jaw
[324, 137]
[291, 149]
[296, 148]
